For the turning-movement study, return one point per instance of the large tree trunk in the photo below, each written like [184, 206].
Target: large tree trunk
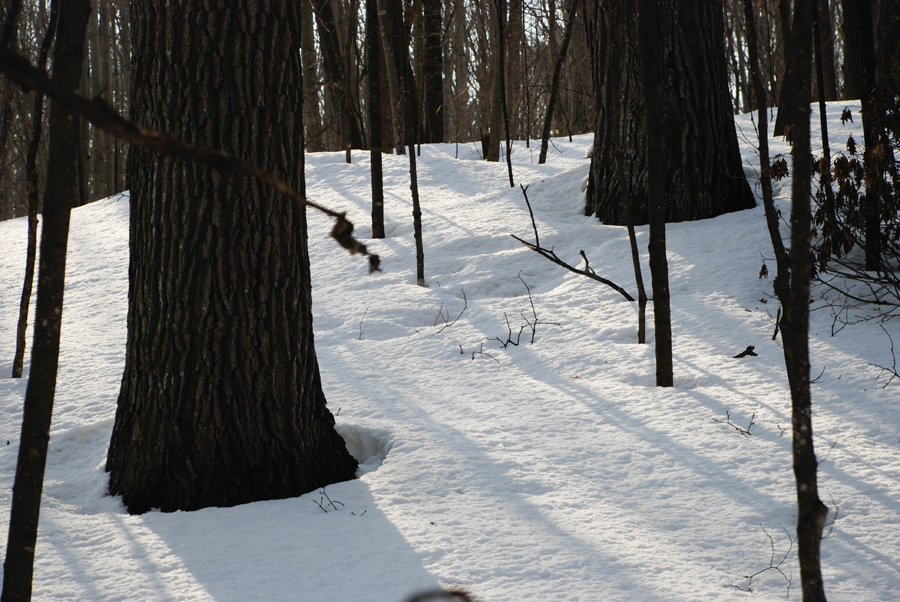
[706, 177]
[38, 408]
[221, 400]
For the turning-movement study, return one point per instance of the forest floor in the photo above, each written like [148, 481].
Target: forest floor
[550, 470]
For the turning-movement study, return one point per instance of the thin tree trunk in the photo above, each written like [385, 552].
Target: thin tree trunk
[554, 86]
[830, 228]
[385, 26]
[635, 255]
[433, 70]
[795, 322]
[500, 6]
[826, 45]
[373, 51]
[781, 282]
[31, 172]
[312, 116]
[657, 115]
[495, 105]
[38, 410]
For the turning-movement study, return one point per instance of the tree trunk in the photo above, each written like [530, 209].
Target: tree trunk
[312, 116]
[494, 100]
[554, 86]
[826, 46]
[221, 401]
[706, 177]
[373, 51]
[658, 105]
[433, 81]
[853, 63]
[38, 410]
[795, 322]
[386, 26]
[37, 122]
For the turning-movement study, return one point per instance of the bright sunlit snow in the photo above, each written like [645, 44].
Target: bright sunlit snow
[547, 471]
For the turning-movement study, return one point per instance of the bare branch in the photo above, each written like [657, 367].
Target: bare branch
[103, 116]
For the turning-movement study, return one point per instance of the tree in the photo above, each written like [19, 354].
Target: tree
[221, 400]
[38, 409]
[373, 52]
[706, 177]
[795, 322]
[659, 117]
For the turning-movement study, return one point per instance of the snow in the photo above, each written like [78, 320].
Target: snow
[546, 471]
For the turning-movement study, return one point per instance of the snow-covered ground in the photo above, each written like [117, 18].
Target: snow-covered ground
[552, 470]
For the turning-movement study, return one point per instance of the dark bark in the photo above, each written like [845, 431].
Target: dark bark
[373, 51]
[221, 400]
[795, 322]
[31, 174]
[433, 69]
[38, 410]
[660, 119]
[706, 177]
[554, 86]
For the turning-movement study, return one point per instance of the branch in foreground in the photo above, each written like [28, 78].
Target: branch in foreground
[551, 255]
[100, 114]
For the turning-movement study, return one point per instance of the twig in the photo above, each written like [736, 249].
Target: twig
[361, 322]
[551, 255]
[103, 116]
[744, 432]
[465, 305]
[893, 369]
[330, 502]
[772, 566]
[777, 323]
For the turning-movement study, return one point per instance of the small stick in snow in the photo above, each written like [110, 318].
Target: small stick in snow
[746, 352]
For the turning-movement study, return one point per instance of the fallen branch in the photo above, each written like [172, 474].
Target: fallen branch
[449, 324]
[551, 255]
[744, 432]
[103, 116]
[772, 566]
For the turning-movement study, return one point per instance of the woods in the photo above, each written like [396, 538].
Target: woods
[221, 401]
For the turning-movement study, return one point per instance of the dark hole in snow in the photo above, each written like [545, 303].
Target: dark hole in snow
[369, 446]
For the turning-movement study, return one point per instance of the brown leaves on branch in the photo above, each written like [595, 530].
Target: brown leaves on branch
[18, 70]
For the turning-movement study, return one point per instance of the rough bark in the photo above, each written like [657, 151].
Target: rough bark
[38, 410]
[706, 175]
[221, 400]
[795, 322]
[658, 97]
